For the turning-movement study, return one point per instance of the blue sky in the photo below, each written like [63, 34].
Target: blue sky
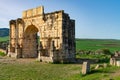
[94, 18]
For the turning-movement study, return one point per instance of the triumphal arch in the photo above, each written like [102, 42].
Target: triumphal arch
[49, 37]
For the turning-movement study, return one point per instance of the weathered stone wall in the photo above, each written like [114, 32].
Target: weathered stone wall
[57, 35]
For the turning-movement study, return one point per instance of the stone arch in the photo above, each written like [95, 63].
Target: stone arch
[31, 29]
[30, 42]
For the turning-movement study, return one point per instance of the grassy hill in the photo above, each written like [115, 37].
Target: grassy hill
[4, 32]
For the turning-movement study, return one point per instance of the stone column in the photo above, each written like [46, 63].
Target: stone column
[40, 47]
[8, 54]
[111, 61]
[12, 36]
[52, 51]
[18, 52]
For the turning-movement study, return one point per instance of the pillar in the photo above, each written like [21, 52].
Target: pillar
[40, 47]
[52, 52]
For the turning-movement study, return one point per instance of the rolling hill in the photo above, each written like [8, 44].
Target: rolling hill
[4, 32]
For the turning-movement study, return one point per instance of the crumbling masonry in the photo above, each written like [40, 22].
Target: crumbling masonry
[56, 31]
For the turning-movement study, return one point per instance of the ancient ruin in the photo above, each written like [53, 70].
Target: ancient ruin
[115, 59]
[49, 37]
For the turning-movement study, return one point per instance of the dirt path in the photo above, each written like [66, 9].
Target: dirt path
[13, 60]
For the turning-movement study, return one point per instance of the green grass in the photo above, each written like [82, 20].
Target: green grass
[37, 71]
[101, 74]
[42, 71]
[95, 44]
[4, 38]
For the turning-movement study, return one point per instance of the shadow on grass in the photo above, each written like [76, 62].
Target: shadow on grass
[96, 72]
[100, 71]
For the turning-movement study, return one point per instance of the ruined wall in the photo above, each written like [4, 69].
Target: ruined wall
[68, 37]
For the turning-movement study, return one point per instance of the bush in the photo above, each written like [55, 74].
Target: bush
[103, 51]
[106, 51]
[2, 54]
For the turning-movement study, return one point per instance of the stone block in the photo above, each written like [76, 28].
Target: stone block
[118, 63]
[85, 68]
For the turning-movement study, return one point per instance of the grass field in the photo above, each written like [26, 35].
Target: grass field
[95, 44]
[19, 70]
[37, 71]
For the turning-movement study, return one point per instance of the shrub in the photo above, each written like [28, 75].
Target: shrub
[2, 54]
[106, 51]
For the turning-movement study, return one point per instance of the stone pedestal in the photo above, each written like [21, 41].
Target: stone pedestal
[40, 47]
[111, 61]
[18, 52]
[39, 57]
[85, 68]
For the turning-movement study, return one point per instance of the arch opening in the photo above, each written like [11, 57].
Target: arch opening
[31, 42]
